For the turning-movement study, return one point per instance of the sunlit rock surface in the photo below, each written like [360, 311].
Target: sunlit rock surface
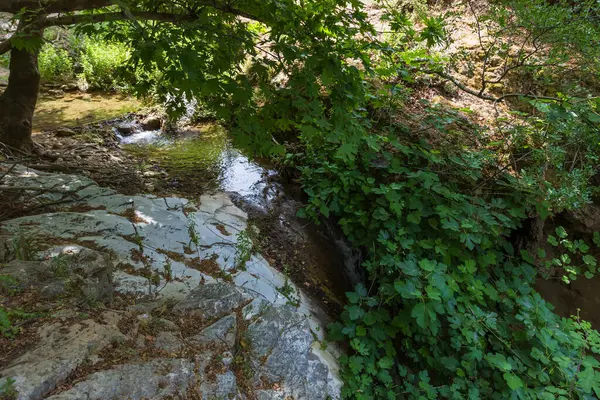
[201, 320]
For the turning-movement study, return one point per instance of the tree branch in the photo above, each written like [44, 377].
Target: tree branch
[482, 96]
[116, 16]
[121, 16]
[5, 46]
[54, 6]
[61, 6]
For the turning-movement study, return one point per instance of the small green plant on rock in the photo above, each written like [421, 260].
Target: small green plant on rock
[243, 249]
[8, 391]
[60, 265]
[288, 290]
[7, 319]
[168, 271]
[192, 229]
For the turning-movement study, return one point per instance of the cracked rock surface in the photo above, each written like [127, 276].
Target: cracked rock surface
[145, 298]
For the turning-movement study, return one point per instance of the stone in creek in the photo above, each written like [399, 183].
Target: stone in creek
[151, 123]
[126, 129]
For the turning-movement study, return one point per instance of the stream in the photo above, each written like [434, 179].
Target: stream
[202, 159]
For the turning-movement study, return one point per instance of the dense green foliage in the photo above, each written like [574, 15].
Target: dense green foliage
[100, 62]
[452, 312]
[55, 64]
[90, 62]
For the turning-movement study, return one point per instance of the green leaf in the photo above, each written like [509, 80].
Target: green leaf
[352, 297]
[410, 268]
[433, 293]
[407, 289]
[427, 265]
[596, 239]
[561, 232]
[386, 363]
[360, 346]
[356, 364]
[589, 260]
[361, 331]
[355, 312]
[381, 214]
[552, 240]
[513, 381]
[499, 361]
[347, 151]
[587, 379]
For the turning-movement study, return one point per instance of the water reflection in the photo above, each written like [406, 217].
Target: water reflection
[201, 158]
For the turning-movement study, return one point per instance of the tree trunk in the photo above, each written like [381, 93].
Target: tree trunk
[18, 101]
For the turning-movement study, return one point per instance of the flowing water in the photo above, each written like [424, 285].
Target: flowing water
[202, 159]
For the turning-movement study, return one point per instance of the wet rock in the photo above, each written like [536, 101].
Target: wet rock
[151, 123]
[148, 237]
[126, 129]
[69, 87]
[55, 92]
[60, 350]
[65, 132]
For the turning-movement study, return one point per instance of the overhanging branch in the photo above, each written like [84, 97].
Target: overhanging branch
[47, 7]
[121, 16]
[117, 16]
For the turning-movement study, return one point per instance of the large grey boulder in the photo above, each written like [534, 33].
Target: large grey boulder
[224, 331]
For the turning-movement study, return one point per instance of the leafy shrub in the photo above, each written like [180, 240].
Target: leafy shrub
[452, 313]
[55, 64]
[100, 62]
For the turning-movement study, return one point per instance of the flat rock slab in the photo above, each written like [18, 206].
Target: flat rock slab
[182, 257]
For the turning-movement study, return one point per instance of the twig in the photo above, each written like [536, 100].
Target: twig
[8, 172]
[50, 167]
